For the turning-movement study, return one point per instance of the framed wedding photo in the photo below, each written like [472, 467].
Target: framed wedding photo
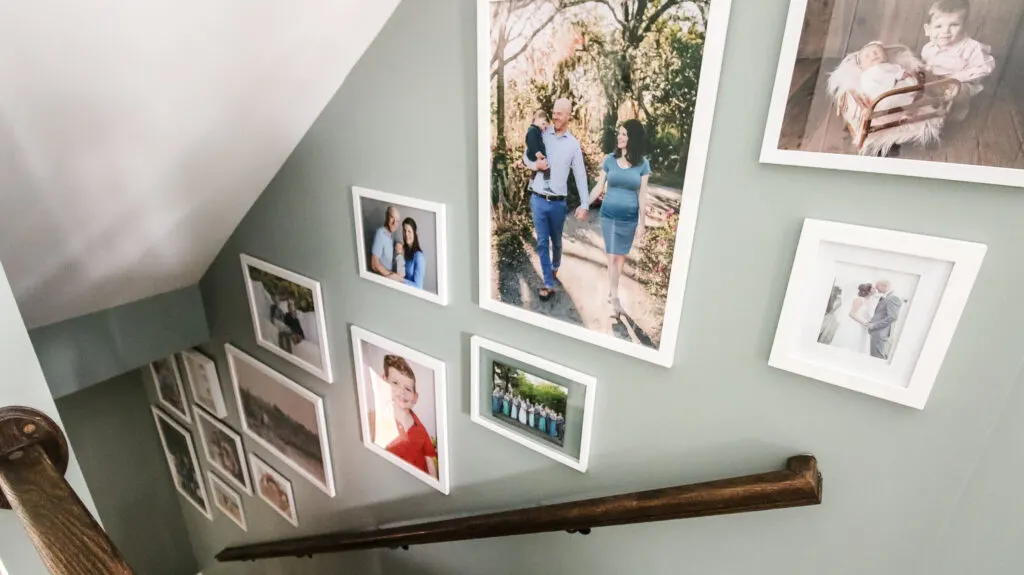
[229, 502]
[873, 310]
[169, 389]
[283, 417]
[402, 406]
[201, 373]
[182, 461]
[402, 243]
[288, 315]
[536, 403]
[927, 88]
[594, 120]
[223, 449]
[274, 489]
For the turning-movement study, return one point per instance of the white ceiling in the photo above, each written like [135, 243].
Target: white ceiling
[134, 136]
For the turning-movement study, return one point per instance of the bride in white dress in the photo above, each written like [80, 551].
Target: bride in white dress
[852, 333]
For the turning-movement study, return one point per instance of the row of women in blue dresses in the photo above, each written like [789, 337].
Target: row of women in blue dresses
[536, 416]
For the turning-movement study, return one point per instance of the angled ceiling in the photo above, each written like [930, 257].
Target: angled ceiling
[134, 136]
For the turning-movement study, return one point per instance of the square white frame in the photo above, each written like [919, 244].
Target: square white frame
[771, 154]
[589, 383]
[219, 407]
[441, 241]
[325, 373]
[443, 481]
[217, 484]
[181, 390]
[700, 137]
[160, 415]
[965, 257]
[254, 462]
[234, 354]
[202, 414]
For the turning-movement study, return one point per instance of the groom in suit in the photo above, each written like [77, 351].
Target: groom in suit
[886, 313]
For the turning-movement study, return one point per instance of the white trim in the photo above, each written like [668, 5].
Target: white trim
[181, 390]
[441, 241]
[966, 259]
[202, 414]
[234, 354]
[157, 416]
[219, 408]
[588, 382]
[359, 335]
[215, 484]
[254, 462]
[771, 154]
[323, 373]
[700, 136]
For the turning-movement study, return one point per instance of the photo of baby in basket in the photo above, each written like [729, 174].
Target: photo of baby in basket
[881, 86]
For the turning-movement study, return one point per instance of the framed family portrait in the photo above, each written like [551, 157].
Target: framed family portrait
[201, 373]
[536, 403]
[402, 243]
[228, 501]
[274, 489]
[169, 389]
[874, 310]
[929, 88]
[182, 461]
[283, 417]
[224, 450]
[288, 315]
[402, 406]
[594, 122]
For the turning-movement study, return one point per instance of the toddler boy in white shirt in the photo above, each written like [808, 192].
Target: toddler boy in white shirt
[950, 53]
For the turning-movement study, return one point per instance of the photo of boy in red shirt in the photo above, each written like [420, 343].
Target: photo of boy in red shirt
[405, 437]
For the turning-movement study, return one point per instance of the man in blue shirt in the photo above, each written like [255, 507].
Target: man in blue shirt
[547, 204]
[382, 254]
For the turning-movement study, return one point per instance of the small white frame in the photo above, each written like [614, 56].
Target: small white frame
[359, 335]
[181, 413]
[257, 465]
[159, 415]
[965, 258]
[218, 407]
[589, 383]
[441, 241]
[325, 373]
[217, 485]
[201, 416]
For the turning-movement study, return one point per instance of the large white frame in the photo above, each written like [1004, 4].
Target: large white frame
[257, 462]
[965, 257]
[217, 484]
[700, 136]
[589, 383]
[181, 390]
[325, 373]
[441, 241]
[770, 152]
[203, 415]
[219, 407]
[157, 416]
[443, 481]
[234, 354]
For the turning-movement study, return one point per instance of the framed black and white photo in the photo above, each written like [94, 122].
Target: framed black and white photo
[182, 461]
[283, 417]
[874, 310]
[536, 403]
[201, 373]
[228, 501]
[169, 389]
[927, 88]
[402, 243]
[288, 315]
[223, 449]
[274, 489]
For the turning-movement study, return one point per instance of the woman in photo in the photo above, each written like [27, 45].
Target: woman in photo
[415, 261]
[852, 333]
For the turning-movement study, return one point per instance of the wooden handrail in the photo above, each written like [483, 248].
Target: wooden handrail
[797, 485]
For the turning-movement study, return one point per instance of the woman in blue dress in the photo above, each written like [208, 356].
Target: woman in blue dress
[415, 261]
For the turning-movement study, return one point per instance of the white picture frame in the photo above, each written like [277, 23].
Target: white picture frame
[440, 240]
[244, 484]
[258, 301]
[170, 391]
[309, 406]
[218, 487]
[261, 470]
[947, 270]
[189, 447]
[203, 380]
[587, 382]
[440, 394]
[771, 154]
[700, 135]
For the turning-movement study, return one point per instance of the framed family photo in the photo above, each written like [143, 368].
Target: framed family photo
[928, 88]
[874, 310]
[182, 461]
[201, 373]
[224, 450]
[288, 315]
[228, 501]
[169, 389]
[536, 403]
[402, 243]
[402, 406]
[274, 489]
[283, 417]
[594, 122]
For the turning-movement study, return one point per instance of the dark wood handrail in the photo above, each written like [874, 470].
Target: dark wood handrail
[797, 485]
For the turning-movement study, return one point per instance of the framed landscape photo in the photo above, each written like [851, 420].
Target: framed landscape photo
[283, 417]
[182, 461]
[928, 88]
[592, 237]
[201, 373]
[274, 489]
[402, 243]
[873, 310]
[402, 406]
[224, 450]
[228, 501]
[288, 315]
[536, 403]
[169, 389]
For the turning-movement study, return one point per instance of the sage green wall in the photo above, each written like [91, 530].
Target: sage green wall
[903, 488]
